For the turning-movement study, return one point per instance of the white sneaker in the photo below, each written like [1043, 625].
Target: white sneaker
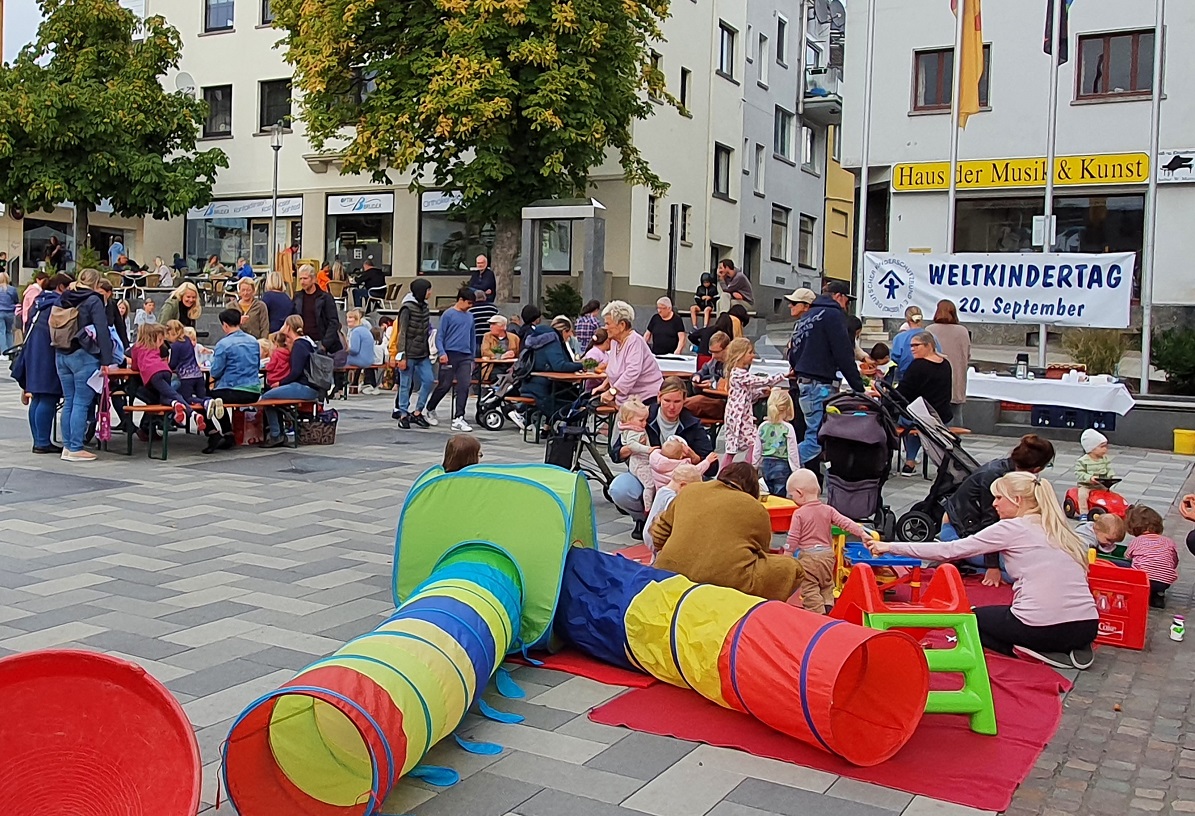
[517, 419]
[78, 456]
[459, 424]
[368, 389]
[215, 408]
[431, 418]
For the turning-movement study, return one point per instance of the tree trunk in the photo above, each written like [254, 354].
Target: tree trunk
[507, 235]
[82, 226]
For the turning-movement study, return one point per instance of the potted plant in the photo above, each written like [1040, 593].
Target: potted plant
[1099, 350]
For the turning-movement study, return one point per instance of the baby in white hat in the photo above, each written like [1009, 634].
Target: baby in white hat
[1093, 465]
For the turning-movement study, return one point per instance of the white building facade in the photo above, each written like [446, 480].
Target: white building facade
[1103, 134]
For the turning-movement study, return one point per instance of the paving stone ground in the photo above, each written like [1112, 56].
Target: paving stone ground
[224, 575]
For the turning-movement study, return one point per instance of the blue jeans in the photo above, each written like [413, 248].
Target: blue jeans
[813, 408]
[41, 418]
[948, 533]
[7, 321]
[627, 494]
[290, 391]
[775, 474]
[416, 370]
[912, 442]
[74, 369]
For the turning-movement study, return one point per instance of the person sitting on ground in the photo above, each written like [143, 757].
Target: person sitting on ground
[810, 539]
[744, 388]
[236, 362]
[718, 533]
[1103, 534]
[1093, 466]
[632, 370]
[278, 365]
[1052, 617]
[361, 350]
[705, 300]
[192, 385]
[684, 474]
[295, 385]
[776, 452]
[149, 360]
[671, 455]
[461, 451]
[1151, 552]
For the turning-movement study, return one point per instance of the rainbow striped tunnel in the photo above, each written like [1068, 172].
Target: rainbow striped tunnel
[336, 739]
[854, 692]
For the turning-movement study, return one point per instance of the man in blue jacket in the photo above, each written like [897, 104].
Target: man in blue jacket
[455, 340]
[825, 349]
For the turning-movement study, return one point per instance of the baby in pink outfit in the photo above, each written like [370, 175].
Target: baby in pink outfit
[671, 455]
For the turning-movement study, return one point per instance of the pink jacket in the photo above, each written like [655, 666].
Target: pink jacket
[662, 467]
[632, 369]
[810, 528]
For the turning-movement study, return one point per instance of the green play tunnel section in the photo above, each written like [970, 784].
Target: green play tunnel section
[335, 739]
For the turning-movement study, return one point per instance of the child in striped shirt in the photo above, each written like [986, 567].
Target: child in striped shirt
[1151, 552]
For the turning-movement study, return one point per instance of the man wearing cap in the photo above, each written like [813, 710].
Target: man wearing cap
[497, 344]
[799, 302]
[824, 348]
[902, 352]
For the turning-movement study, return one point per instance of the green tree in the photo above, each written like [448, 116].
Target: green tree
[86, 118]
[507, 101]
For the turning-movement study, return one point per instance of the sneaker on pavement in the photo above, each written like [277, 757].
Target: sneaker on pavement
[228, 442]
[637, 532]
[517, 419]
[419, 421]
[1082, 658]
[78, 456]
[404, 422]
[396, 414]
[908, 470]
[1059, 660]
[431, 418]
[459, 424]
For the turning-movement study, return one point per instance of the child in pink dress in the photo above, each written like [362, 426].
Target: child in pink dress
[738, 429]
[665, 459]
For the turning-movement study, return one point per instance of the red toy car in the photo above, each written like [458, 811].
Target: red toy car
[1098, 501]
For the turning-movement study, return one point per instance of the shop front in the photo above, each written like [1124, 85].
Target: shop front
[360, 228]
[240, 228]
[449, 242]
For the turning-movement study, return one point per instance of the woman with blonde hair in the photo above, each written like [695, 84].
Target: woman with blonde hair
[279, 306]
[1053, 616]
[183, 305]
[165, 273]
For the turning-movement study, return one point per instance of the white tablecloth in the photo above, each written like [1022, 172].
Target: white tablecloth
[688, 364]
[1092, 396]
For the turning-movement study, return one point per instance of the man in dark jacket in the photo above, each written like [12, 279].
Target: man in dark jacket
[410, 354]
[483, 279]
[321, 321]
[825, 348]
[370, 283]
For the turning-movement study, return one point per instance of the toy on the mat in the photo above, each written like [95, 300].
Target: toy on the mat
[1099, 501]
[90, 733]
[944, 606]
[1122, 601]
[848, 553]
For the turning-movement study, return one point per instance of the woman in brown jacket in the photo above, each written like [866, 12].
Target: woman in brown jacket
[954, 342]
[255, 317]
[718, 533]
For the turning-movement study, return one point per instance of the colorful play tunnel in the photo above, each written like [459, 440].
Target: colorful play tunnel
[335, 739]
[854, 692]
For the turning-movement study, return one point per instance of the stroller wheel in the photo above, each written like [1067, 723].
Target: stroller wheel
[915, 526]
[888, 524]
[492, 420]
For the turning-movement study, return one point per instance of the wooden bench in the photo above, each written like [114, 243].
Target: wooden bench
[159, 416]
[901, 433]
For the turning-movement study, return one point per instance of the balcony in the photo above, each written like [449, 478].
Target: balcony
[823, 99]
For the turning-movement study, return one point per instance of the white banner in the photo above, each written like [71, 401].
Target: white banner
[1176, 166]
[1067, 289]
[248, 208]
[361, 204]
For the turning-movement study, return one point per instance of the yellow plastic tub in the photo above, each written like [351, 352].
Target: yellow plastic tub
[1184, 442]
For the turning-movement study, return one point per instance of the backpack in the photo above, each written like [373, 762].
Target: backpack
[318, 372]
[521, 370]
[64, 326]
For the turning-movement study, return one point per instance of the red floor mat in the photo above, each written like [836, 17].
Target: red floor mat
[943, 760]
[571, 661]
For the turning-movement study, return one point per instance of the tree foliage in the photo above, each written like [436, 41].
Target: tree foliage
[86, 118]
[507, 101]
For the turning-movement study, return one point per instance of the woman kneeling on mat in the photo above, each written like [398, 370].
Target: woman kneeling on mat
[1053, 616]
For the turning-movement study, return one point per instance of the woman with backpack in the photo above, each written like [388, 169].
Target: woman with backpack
[79, 333]
[296, 385]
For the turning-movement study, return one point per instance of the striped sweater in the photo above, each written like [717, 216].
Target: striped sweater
[1156, 556]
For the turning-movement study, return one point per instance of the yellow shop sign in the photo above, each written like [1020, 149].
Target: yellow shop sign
[1001, 174]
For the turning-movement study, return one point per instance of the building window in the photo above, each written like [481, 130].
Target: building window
[785, 125]
[809, 149]
[656, 60]
[723, 156]
[781, 40]
[217, 15]
[653, 204]
[760, 160]
[806, 255]
[780, 241]
[686, 79]
[840, 223]
[275, 104]
[765, 59]
[726, 36]
[1112, 65]
[933, 75]
[219, 111]
[813, 56]
[686, 218]
[267, 13]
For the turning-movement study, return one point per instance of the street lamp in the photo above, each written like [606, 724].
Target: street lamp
[276, 131]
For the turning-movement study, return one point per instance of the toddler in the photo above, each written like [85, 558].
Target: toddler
[1103, 534]
[665, 459]
[278, 365]
[705, 299]
[461, 451]
[1093, 465]
[146, 314]
[776, 453]
[632, 433]
[738, 430]
[1151, 552]
[192, 386]
[810, 538]
[148, 359]
[684, 474]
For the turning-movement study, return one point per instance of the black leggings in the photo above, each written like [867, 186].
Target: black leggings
[233, 396]
[460, 367]
[193, 390]
[160, 383]
[1000, 630]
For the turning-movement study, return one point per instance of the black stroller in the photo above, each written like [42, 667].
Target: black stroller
[857, 438]
[494, 401]
[923, 521]
[573, 443]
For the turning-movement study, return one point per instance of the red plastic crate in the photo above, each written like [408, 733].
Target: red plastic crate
[1122, 598]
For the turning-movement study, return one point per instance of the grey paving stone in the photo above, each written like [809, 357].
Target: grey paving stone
[579, 780]
[642, 756]
[534, 674]
[483, 794]
[868, 794]
[781, 799]
[210, 680]
[583, 728]
[536, 716]
[149, 647]
[551, 802]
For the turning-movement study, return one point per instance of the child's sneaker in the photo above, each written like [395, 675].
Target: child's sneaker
[200, 423]
[180, 414]
[215, 408]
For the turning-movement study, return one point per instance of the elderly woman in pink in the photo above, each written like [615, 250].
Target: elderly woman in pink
[631, 368]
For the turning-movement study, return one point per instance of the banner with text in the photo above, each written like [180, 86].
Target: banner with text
[1062, 289]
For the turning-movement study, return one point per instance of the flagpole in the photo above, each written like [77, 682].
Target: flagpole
[955, 115]
[1151, 197]
[1051, 149]
[865, 170]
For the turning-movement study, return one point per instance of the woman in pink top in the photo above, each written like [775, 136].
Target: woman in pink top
[631, 368]
[1053, 616]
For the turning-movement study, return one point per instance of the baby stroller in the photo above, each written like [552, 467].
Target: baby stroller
[493, 401]
[573, 443]
[858, 438]
[923, 521]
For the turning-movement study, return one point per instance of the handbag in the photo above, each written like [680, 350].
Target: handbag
[103, 426]
[318, 430]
